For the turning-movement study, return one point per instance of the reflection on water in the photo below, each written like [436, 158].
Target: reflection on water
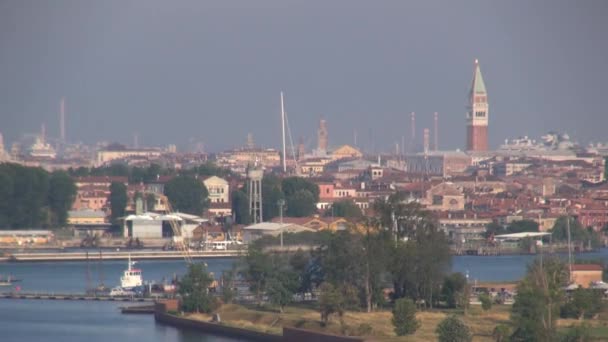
[36, 320]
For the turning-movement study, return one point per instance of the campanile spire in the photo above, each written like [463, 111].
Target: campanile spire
[477, 113]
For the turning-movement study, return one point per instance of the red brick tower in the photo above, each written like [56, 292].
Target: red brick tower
[477, 114]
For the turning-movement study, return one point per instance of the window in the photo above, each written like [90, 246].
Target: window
[480, 114]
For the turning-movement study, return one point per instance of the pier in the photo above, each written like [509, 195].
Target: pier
[72, 296]
[117, 255]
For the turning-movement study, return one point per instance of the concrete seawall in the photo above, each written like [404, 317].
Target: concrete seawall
[135, 255]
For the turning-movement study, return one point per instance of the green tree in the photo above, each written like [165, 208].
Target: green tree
[301, 196]
[404, 317]
[331, 301]
[452, 329]
[187, 194]
[150, 201]
[453, 288]
[118, 200]
[522, 226]
[271, 194]
[301, 204]
[539, 298]
[344, 208]
[257, 269]
[577, 232]
[282, 286]
[583, 303]
[62, 192]
[240, 207]
[194, 289]
[486, 301]
[494, 228]
[501, 333]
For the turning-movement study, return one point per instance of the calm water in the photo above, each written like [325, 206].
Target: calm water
[35, 320]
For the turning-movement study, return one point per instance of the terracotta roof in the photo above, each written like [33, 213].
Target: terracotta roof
[586, 267]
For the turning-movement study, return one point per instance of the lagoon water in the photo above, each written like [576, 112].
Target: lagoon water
[36, 320]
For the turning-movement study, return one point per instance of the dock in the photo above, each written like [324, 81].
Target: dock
[72, 296]
[118, 255]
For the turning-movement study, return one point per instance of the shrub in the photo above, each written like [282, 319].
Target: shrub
[486, 301]
[451, 329]
[404, 317]
[364, 329]
[501, 333]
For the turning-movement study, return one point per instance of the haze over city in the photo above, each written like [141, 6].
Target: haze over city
[213, 70]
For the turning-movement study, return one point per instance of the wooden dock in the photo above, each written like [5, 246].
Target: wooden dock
[71, 296]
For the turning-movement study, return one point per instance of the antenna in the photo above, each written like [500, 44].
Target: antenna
[283, 133]
[436, 133]
[413, 129]
[425, 141]
[62, 119]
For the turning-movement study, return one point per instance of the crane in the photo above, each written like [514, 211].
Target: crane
[179, 240]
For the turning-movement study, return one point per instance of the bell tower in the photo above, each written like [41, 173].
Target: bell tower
[477, 113]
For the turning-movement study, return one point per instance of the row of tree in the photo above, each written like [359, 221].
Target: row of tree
[32, 197]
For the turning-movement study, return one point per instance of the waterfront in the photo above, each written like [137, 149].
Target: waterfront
[32, 320]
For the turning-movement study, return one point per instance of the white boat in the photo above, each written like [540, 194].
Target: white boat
[131, 277]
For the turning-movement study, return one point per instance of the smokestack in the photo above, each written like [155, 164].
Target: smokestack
[436, 133]
[135, 140]
[43, 133]
[62, 120]
[425, 141]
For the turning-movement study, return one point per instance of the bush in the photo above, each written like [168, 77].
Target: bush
[584, 303]
[501, 333]
[404, 317]
[364, 329]
[576, 333]
[452, 329]
[486, 301]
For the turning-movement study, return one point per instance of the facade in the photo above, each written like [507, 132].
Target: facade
[105, 156]
[445, 197]
[219, 189]
[585, 274]
[477, 114]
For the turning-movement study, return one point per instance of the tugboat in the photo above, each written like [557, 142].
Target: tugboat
[130, 282]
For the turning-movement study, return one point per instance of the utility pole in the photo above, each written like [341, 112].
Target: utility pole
[281, 203]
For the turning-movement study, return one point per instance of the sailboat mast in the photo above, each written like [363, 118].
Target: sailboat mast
[283, 133]
[569, 246]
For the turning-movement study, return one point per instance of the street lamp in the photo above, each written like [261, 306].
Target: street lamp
[281, 203]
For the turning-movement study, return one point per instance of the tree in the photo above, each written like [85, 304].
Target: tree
[118, 200]
[194, 289]
[150, 202]
[240, 207]
[187, 194]
[62, 192]
[404, 317]
[522, 226]
[451, 329]
[577, 232]
[539, 297]
[453, 288]
[301, 196]
[301, 204]
[344, 208]
[493, 229]
[331, 302]
[282, 286]
[257, 271]
[271, 194]
[584, 303]
[486, 301]
[501, 332]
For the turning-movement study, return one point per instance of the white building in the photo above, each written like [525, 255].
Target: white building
[219, 189]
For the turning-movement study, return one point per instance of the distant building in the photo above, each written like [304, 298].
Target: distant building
[477, 114]
[105, 156]
[585, 274]
[345, 151]
[442, 164]
[219, 189]
[322, 136]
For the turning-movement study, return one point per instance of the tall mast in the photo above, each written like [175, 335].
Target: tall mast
[283, 133]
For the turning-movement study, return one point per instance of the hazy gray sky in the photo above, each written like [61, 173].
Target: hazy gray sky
[212, 70]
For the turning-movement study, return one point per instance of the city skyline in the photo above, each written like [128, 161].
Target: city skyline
[208, 66]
